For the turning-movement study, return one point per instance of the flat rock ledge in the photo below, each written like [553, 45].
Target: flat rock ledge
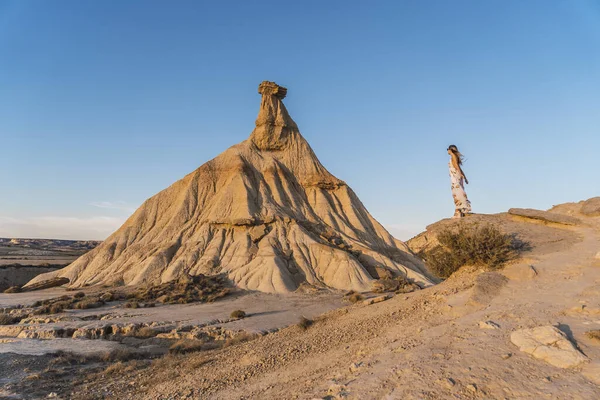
[549, 344]
[544, 216]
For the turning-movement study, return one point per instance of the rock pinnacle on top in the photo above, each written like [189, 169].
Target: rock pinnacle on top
[265, 212]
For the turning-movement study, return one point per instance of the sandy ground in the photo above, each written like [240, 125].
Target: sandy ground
[266, 313]
[423, 345]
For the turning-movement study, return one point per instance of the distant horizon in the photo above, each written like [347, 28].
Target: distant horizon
[104, 104]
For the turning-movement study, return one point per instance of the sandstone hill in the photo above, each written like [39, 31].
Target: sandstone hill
[265, 212]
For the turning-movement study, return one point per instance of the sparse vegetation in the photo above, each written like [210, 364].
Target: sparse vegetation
[59, 304]
[397, 284]
[88, 303]
[13, 289]
[143, 333]
[487, 286]
[305, 323]
[121, 367]
[7, 319]
[189, 289]
[79, 295]
[593, 334]
[354, 297]
[184, 346]
[239, 338]
[471, 244]
[238, 314]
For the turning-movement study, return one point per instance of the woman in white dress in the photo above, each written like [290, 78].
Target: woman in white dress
[457, 177]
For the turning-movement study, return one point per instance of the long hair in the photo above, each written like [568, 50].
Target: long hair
[459, 156]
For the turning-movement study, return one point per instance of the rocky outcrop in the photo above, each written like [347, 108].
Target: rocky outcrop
[265, 212]
[46, 283]
[548, 344]
[544, 216]
[591, 207]
[17, 275]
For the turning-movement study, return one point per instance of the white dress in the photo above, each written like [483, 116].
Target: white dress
[461, 202]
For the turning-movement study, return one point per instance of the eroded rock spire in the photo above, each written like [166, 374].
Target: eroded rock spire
[273, 124]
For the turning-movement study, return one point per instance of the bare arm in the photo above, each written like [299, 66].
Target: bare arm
[463, 174]
[458, 168]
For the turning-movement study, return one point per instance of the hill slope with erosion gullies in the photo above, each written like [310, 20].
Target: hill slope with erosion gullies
[265, 212]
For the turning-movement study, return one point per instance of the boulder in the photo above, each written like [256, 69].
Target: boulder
[544, 216]
[549, 344]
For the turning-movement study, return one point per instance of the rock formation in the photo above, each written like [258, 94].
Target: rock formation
[265, 212]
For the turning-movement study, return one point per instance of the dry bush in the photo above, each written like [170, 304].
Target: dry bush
[88, 303]
[305, 323]
[471, 244]
[132, 304]
[7, 319]
[68, 358]
[59, 304]
[79, 295]
[143, 333]
[33, 377]
[487, 286]
[355, 298]
[188, 289]
[240, 338]
[121, 367]
[238, 314]
[594, 334]
[120, 355]
[184, 346]
[397, 284]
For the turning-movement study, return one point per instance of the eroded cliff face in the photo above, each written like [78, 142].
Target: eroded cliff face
[265, 212]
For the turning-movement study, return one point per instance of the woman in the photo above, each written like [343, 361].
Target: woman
[461, 202]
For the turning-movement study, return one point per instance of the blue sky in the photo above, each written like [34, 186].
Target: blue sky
[105, 103]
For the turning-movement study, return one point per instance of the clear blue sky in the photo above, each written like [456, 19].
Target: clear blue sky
[105, 103]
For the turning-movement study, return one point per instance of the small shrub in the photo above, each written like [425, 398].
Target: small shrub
[121, 367]
[108, 296]
[305, 323]
[239, 338]
[238, 314]
[132, 304]
[595, 334]
[58, 307]
[33, 377]
[120, 355]
[7, 319]
[487, 286]
[88, 303]
[79, 295]
[184, 346]
[471, 244]
[145, 332]
[355, 298]
[68, 358]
